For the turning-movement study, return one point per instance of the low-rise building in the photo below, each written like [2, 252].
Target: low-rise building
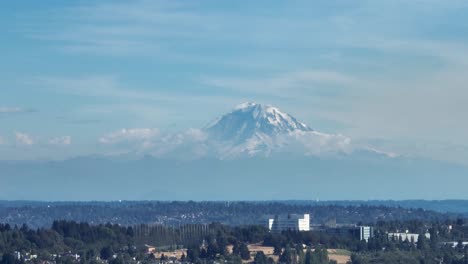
[292, 222]
[454, 244]
[150, 249]
[411, 237]
[357, 232]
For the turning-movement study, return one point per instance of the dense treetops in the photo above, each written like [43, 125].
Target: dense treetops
[114, 243]
[42, 214]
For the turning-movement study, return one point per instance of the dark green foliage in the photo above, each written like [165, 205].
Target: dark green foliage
[9, 258]
[38, 214]
[318, 256]
[118, 260]
[240, 249]
[260, 258]
[106, 253]
[105, 241]
[233, 259]
[193, 254]
[286, 256]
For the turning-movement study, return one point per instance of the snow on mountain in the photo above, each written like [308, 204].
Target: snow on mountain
[250, 129]
[249, 120]
[256, 129]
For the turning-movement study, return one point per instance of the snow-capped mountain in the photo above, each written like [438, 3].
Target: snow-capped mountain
[250, 129]
[250, 119]
[257, 129]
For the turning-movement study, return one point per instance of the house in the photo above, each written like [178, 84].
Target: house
[150, 249]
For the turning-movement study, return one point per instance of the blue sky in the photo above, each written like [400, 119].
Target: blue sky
[391, 74]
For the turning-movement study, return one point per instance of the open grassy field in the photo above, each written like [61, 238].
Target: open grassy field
[340, 255]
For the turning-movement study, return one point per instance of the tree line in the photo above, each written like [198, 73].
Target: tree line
[113, 243]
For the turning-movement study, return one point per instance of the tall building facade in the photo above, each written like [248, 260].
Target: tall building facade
[365, 232]
[292, 222]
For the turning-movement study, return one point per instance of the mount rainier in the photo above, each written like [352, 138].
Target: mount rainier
[256, 129]
[249, 130]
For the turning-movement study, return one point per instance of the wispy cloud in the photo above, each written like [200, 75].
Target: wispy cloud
[290, 84]
[61, 141]
[23, 139]
[187, 144]
[93, 86]
[150, 28]
[390, 69]
[138, 28]
[14, 110]
[109, 86]
[131, 134]
[115, 97]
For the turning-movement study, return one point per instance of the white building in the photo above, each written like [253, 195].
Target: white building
[407, 236]
[293, 222]
[454, 244]
[365, 232]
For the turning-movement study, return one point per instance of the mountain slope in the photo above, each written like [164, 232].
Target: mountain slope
[250, 119]
[260, 130]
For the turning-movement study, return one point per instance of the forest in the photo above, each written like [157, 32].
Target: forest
[75, 242]
[42, 214]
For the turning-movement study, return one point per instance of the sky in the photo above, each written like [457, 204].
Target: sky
[74, 74]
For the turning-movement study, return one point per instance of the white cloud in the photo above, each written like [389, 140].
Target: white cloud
[12, 110]
[61, 141]
[316, 143]
[386, 153]
[194, 143]
[196, 134]
[23, 139]
[415, 89]
[5, 109]
[151, 141]
[129, 135]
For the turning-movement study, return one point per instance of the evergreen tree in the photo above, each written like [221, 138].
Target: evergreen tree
[244, 252]
[320, 256]
[286, 256]
[260, 258]
[106, 253]
[308, 257]
[422, 242]
[277, 249]
[9, 258]
[193, 254]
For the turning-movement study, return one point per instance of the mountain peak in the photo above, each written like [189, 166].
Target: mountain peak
[258, 110]
[251, 119]
[245, 105]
